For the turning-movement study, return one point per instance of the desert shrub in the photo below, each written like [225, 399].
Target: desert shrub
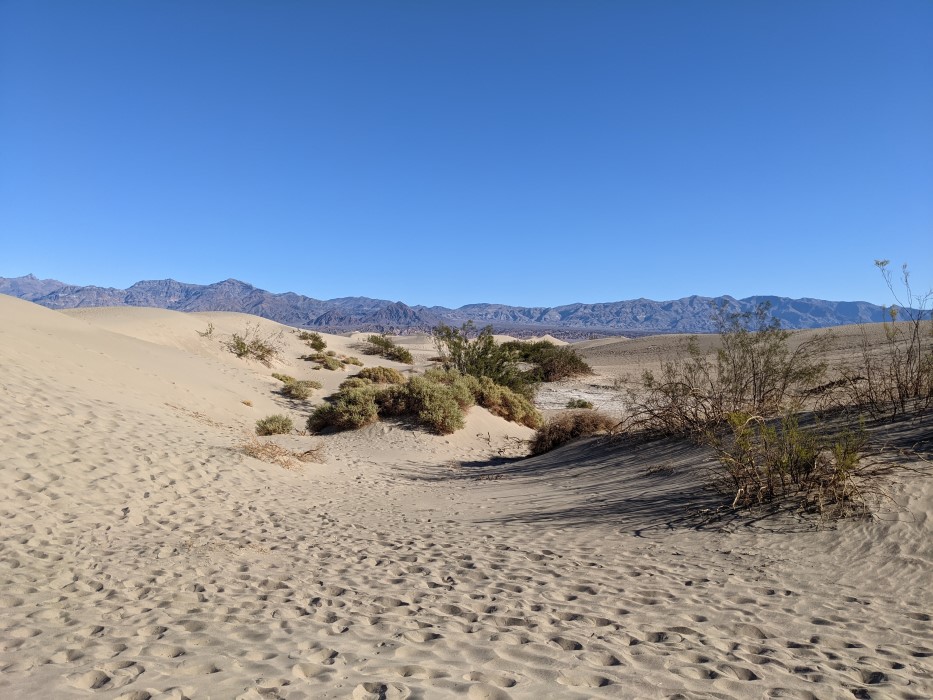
[253, 344]
[385, 347]
[208, 332]
[313, 339]
[355, 383]
[579, 403]
[771, 461]
[434, 405]
[754, 372]
[506, 403]
[285, 378]
[481, 356]
[382, 375]
[276, 424]
[898, 376]
[325, 361]
[567, 426]
[551, 362]
[350, 360]
[348, 409]
[300, 389]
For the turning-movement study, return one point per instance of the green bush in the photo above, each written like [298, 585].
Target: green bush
[568, 426]
[350, 360]
[551, 362]
[579, 403]
[349, 409]
[382, 375]
[325, 361]
[383, 346]
[300, 389]
[285, 378]
[506, 403]
[276, 424]
[433, 405]
[313, 339]
[481, 357]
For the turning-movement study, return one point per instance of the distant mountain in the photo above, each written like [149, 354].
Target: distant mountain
[636, 317]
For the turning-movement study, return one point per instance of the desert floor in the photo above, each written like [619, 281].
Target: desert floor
[143, 555]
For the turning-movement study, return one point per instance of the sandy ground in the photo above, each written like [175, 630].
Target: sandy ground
[143, 555]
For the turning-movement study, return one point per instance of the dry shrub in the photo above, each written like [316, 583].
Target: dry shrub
[276, 454]
[570, 425]
[382, 375]
[355, 383]
[896, 377]
[252, 343]
[579, 403]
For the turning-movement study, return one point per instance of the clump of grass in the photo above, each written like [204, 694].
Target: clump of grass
[350, 360]
[276, 454]
[276, 424]
[313, 339]
[579, 403]
[253, 344]
[382, 375]
[285, 378]
[567, 426]
[385, 347]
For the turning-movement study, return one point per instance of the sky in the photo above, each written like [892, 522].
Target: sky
[523, 152]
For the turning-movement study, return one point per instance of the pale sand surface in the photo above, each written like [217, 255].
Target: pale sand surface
[143, 556]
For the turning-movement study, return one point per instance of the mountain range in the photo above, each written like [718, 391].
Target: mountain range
[635, 317]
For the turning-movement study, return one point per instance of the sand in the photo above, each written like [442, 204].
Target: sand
[143, 555]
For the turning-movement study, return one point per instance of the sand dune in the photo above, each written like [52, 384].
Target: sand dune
[144, 556]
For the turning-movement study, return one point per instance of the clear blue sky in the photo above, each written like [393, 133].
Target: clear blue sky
[532, 153]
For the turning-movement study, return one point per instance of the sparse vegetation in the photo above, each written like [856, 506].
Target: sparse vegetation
[385, 347]
[325, 361]
[253, 344]
[313, 339]
[382, 375]
[208, 332]
[568, 426]
[285, 378]
[897, 376]
[770, 461]
[276, 424]
[276, 454]
[754, 372]
[579, 403]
